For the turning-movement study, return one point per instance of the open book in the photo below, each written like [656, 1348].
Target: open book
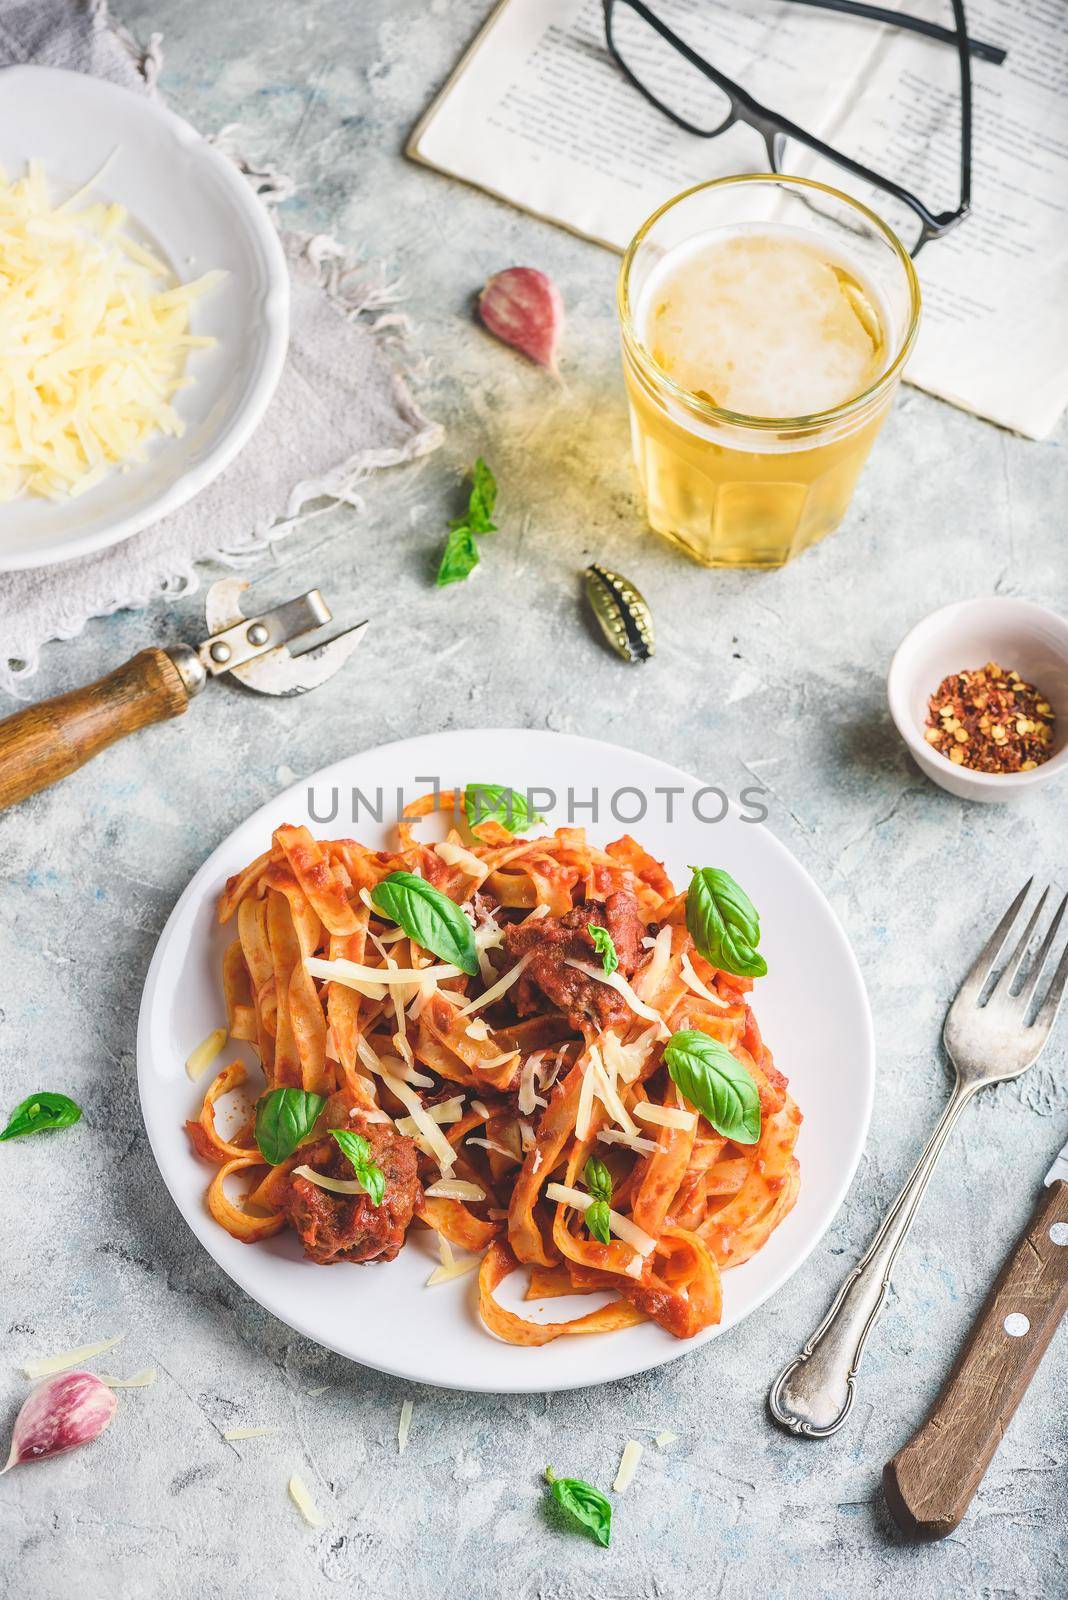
[539, 114]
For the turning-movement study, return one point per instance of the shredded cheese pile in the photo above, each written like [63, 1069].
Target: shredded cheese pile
[94, 336]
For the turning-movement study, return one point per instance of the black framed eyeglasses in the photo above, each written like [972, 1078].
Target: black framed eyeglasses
[696, 96]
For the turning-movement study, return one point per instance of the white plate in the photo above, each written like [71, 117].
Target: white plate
[196, 211]
[812, 1009]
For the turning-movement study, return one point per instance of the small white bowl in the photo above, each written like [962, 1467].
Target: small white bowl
[1019, 635]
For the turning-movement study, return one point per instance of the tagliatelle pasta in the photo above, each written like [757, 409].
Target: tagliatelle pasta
[525, 1113]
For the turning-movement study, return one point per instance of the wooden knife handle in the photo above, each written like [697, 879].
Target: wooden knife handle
[46, 742]
[929, 1484]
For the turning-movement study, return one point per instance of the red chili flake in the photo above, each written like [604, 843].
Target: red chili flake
[990, 720]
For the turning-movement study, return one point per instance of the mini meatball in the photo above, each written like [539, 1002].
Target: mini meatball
[342, 1227]
[553, 941]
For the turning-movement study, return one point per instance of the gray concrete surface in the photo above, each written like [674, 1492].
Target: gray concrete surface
[778, 675]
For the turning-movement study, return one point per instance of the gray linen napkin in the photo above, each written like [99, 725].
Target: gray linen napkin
[341, 410]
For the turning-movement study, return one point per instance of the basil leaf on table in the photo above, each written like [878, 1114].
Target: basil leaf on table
[598, 1179]
[604, 945]
[283, 1118]
[495, 802]
[598, 1222]
[587, 1505]
[435, 922]
[459, 558]
[42, 1113]
[722, 1089]
[482, 500]
[358, 1151]
[724, 923]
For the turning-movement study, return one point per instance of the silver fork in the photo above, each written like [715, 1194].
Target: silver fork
[987, 1043]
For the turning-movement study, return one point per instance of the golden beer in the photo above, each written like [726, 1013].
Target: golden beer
[766, 322]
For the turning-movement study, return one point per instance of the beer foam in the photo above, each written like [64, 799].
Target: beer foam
[764, 320]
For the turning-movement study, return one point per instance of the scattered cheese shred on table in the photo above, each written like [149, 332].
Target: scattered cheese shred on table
[248, 1433]
[44, 1367]
[665, 1438]
[205, 1053]
[298, 1493]
[96, 336]
[404, 1427]
[628, 1465]
[140, 1380]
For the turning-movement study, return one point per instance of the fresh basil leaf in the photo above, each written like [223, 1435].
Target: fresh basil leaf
[495, 802]
[604, 946]
[41, 1113]
[587, 1505]
[724, 923]
[716, 1083]
[483, 499]
[598, 1179]
[283, 1118]
[429, 917]
[598, 1222]
[459, 558]
[358, 1151]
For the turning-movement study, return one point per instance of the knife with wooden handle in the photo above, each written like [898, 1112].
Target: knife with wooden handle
[929, 1484]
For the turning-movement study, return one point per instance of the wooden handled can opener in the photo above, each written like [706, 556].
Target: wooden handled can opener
[49, 741]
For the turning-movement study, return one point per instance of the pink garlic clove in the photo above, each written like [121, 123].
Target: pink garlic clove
[61, 1413]
[524, 308]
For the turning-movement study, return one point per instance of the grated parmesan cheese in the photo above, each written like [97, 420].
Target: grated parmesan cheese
[628, 1465]
[493, 1144]
[500, 987]
[585, 1104]
[454, 1189]
[45, 1366]
[665, 1438]
[529, 1098]
[392, 1066]
[481, 1107]
[298, 1493]
[644, 1147]
[606, 1093]
[455, 855]
[452, 1266]
[693, 982]
[204, 1054]
[96, 336]
[665, 1116]
[622, 988]
[440, 1148]
[652, 975]
[627, 1060]
[248, 1433]
[444, 1112]
[334, 1185]
[404, 1426]
[140, 1380]
[352, 973]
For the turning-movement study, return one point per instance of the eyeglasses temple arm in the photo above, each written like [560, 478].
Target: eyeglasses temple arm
[898, 19]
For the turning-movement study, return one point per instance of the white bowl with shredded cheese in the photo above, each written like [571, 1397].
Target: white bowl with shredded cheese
[144, 314]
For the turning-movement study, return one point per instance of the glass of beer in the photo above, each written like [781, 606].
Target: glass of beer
[766, 322]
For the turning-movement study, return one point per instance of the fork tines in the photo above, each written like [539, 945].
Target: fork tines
[1002, 992]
